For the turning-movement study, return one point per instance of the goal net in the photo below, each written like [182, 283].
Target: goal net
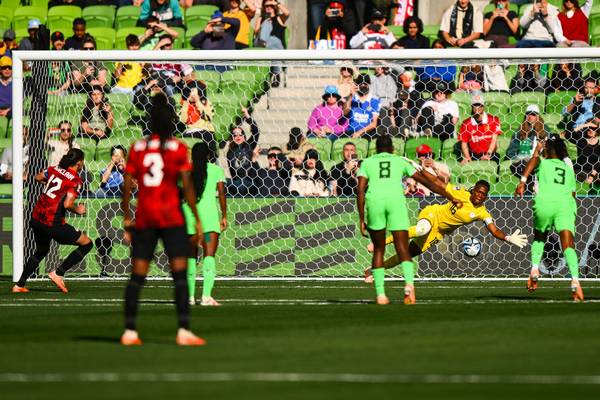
[285, 220]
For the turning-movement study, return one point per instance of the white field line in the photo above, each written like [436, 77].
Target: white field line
[299, 377]
[320, 279]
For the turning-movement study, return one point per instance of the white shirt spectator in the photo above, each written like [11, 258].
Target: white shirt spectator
[537, 30]
[372, 40]
[442, 108]
[477, 21]
[384, 87]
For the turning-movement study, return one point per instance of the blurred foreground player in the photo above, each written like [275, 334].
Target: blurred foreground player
[157, 163]
[48, 219]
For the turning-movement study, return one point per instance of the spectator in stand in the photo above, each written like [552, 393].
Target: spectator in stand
[5, 87]
[494, 79]
[222, 4]
[401, 114]
[541, 26]
[61, 145]
[345, 82]
[150, 85]
[439, 115]
[75, 42]
[60, 72]
[311, 179]
[374, 35]
[8, 43]
[438, 169]
[413, 31]
[97, 117]
[155, 30]
[343, 175]
[269, 31]
[327, 119]
[583, 106]
[168, 12]
[274, 180]
[587, 164]
[428, 77]
[169, 74]
[197, 114]
[500, 24]
[137, 3]
[87, 75]
[574, 22]
[297, 146]
[471, 78]
[215, 35]
[316, 15]
[77, 3]
[528, 79]
[112, 177]
[479, 133]
[362, 109]
[244, 16]
[6, 160]
[567, 76]
[384, 87]
[462, 24]
[239, 157]
[32, 28]
[128, 74]
[334, 27]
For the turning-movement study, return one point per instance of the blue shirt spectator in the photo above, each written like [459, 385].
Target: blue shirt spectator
[111, 177]
[583, 106]
[362, 109]
[167, 11]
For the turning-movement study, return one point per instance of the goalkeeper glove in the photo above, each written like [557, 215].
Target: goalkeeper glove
[517, 238]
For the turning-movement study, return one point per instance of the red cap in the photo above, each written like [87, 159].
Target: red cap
[424, 149]
[336, 4]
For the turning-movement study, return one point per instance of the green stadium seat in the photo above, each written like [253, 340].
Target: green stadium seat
[242, 93]
[473, 171]
[99, 16]
[104, 146]
[555, 102]
[502, 143]
[4, 127]
[323, 146]
[4, 144]
[397, 30]
[6, 16]
[225, 115]
[572, 150]
[329, 164]
[127, 17]
[105, 37]
[519, 103]
[447, 152]
[212, 79]
[39, 3]
[410, 148]
[6, 190]
[23, 14]
[431, 31]
[240, 77]
[226, 100]
[362, 148]
[60, 18]
[587, 68]
[123, 33]
[196, 17]
[121, 107]
[552, 121]
[180, 39]
[189, 34]
[11, 3]
[88, 146]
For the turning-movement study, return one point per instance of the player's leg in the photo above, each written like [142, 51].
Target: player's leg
[378, 240]
[66, 234]
[565, 226]
[209, 269]
[179, 250]
[42, 247]
[537, 252]
[408, 267]
[192, 262]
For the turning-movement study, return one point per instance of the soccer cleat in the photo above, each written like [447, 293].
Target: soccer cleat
[130, 338]
[532, 282]
[58, 281]
[209, 301]
[187, 338]
[576, 292]
[192, 301]
[382, 300]
[368, 275]
[19, 289]
[409, 295]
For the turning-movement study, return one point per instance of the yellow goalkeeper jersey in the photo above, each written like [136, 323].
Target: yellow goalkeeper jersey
[449, 217]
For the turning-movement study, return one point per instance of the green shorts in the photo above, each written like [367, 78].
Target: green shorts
[390, 213]
[560, 216]
[209, 216]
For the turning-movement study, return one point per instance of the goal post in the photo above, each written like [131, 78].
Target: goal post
[286, 236]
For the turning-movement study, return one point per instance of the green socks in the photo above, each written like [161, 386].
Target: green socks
[191, 276]
[537, 252]
[572, 262]
[209, 270]
[379, 279]
[408, 270]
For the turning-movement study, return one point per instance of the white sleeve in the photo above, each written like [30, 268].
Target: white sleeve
[558, 32]
[445, 23]
[358, 40]
[526, 18]
[477, 21]
[587, 7]
[454, 112]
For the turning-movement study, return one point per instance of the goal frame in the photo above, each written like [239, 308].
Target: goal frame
[530, 55]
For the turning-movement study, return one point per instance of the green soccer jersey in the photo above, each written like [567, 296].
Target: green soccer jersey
[207, 206]
[556, 181]
[385, 172]
[214, 175]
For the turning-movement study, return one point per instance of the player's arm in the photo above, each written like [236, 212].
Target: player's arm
[533, 163]
[435, 185]
[70, 205]
[189, 194]
[223, 204]
[516, 238]
[360, 203]
[42, 177]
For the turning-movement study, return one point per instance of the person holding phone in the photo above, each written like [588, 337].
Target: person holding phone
[97, 118]
[343, 175]
[374, 35]
[541, 26]
[500, 24]
[583, 106]
[574, 22]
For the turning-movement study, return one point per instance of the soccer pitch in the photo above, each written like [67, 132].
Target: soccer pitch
[304, 339]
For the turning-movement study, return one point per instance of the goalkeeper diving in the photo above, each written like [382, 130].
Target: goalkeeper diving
[436, 221]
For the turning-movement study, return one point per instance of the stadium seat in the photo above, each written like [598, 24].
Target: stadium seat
[323, 146]
[121, 107]
[122, 34]
[225, 116]
[99, 16]
[11, 3]
[473, 171]
[60, 18]
[6, 16]
[88, 146]
[196, 17]
[5, 190]
[104, 146]
[127, 17]
[431, 32]
[3, 127]
[329, 164]
[39, 3]
[4, 144]
[226, 100]
[410, 148]
[397, 30]
[362, 148]
[572, 150]
[243, 77]
[502, 143]
[397, 142]
[179, 42]
[22, 15]
[105, 37]
[555, 102]
[212, 80]
[447, 151]
[552, 121]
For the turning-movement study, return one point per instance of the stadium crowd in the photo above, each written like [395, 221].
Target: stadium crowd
[441, 102]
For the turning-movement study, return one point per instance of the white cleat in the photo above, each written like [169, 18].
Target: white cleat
[192, 301]
[209, 301]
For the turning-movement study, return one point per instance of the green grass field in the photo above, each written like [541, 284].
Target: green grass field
[304, 340]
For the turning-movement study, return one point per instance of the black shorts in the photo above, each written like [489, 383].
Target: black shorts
[175, 240]
[63, 234]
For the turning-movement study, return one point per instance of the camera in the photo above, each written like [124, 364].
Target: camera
[374, 27]
[218, 29]
[335, 12]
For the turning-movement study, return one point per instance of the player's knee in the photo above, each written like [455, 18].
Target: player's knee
[423, 227]
[86, 248]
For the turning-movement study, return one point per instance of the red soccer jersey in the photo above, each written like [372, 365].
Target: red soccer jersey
[479, 136]
[157, 174]
[50, 208]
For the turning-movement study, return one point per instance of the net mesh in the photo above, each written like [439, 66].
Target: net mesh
[285, 222]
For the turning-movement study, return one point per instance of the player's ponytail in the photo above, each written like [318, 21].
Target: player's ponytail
[555, 145]
[162, 117]
[72, 157]
[200, 159]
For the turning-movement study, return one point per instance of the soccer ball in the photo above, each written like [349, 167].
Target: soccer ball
[471, 247]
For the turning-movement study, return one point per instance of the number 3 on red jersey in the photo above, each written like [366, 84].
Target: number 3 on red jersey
[155, 164]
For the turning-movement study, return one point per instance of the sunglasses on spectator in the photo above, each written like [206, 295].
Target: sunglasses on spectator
[65, 129]
[426, 155]
[272, 155]
[477, 105]
[88, 48]
[237, 134]
[6, 67]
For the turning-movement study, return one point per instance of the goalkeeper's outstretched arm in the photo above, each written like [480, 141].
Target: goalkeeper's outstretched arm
[435, 185]
[517, 238]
